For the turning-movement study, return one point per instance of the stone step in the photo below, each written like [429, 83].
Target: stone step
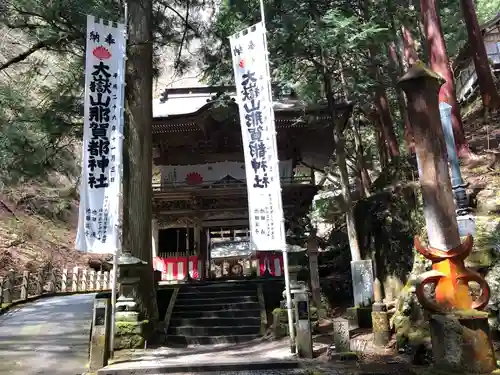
[209, 340]
[219, 287]
[215, 294]
[216, 300]
[216, 321]
[183, 307]
[207, 313]
[213, 331]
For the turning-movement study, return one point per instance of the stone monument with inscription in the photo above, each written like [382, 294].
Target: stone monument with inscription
[341, 335]
[359, 315]
[100, 334]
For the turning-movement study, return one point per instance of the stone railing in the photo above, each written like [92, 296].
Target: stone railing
[18, 287]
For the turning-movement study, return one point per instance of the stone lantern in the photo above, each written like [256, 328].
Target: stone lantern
[128, 327]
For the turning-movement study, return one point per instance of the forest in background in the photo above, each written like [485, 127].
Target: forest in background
[42, 46]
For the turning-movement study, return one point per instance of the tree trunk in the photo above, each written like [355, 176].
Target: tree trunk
[339, 141]
[410, 53]
[380, 99]
[395, 72]
[137, 169]
[387, 126]
[440, 64]
[489, 93]
[379, 137]
[364, 177]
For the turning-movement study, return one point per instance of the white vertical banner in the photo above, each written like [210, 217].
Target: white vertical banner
[253, 87]
[99, 216]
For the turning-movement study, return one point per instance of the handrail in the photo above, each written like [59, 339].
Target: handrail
[17, 287]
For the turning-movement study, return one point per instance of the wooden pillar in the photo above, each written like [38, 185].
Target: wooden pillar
[154, 237]
[422, 86]
[207, 255]
[445, 249]
[178, 242]
[196, 237]
[187, 238]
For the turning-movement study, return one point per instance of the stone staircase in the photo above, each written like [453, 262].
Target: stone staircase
[217, 313]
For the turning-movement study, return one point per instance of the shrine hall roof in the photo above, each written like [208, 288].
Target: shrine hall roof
[190, 101]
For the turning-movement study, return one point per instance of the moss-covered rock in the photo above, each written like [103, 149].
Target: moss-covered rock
[130, 335]
[409, 320]
[128, 328]
[129, 342]
[486, 240]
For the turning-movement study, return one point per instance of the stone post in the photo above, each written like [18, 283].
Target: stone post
[24, 284]
[74, 279]
[64, 281]
[312, 253]
[2, 283]
[84, 281]
[450, 328]
[98, 280]
[52, 282]
[380, 318]
[7, 285]
[92, 280]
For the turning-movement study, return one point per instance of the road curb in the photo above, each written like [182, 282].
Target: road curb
[203, 367]
[21, 302]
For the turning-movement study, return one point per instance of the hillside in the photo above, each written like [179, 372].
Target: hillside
[37, 228]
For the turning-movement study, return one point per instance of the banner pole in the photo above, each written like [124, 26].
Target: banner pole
[113, 305]
[288, 293]
[262, 14]
[114, 280]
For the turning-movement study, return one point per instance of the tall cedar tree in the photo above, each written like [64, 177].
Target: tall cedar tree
[137, 168]
[489, 93]
[440, 63]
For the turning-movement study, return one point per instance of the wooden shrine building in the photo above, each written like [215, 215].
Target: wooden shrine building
[200, 224]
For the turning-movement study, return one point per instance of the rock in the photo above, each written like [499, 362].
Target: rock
[488, 201]
[462, 343]
[129, 335]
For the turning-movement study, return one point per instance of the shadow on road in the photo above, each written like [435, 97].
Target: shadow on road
[48, 336]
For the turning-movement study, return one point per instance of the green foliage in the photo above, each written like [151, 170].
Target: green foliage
[487, 9]
[41, 118]
[297, 33]
[36, 132]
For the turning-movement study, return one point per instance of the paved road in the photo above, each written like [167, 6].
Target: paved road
[49, 336]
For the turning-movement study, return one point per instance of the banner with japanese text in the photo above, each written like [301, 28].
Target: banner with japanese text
[99, 216]
[253, 88]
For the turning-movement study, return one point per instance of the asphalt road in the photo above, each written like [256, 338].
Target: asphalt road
[49, 336]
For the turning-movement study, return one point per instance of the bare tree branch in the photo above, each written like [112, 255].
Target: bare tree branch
[188, 25]
[23, 56]
[184, 34]
[44, 44]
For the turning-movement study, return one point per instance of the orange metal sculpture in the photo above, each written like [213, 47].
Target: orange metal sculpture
[451, 278]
